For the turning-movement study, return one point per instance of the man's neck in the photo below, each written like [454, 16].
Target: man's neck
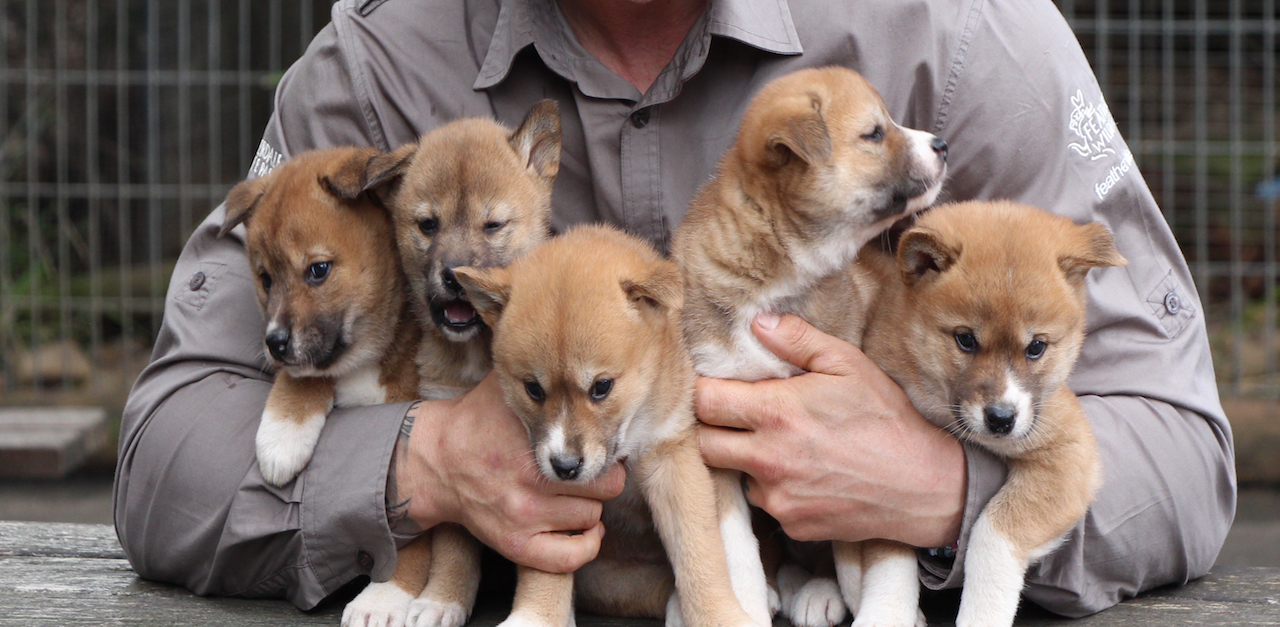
[634, 39]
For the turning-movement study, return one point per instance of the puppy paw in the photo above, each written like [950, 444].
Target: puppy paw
[674, 617]
[775, 601]
[818, 604]
[432, 613]
[285, 445]
[378, 605]
[524, 621]
[873, 622]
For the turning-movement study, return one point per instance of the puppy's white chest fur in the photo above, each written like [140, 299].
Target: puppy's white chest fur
[360, 387]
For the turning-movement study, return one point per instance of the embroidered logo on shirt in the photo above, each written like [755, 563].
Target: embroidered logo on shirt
[265, 160]
[1096, 139]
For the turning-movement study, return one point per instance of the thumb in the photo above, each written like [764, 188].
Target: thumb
[796, 341]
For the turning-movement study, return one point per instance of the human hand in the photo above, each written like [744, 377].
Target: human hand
[469, 461]
[837, 453]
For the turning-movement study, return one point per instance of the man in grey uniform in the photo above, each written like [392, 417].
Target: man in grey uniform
[651, 94]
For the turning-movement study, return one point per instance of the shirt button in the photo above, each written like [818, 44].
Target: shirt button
[1172, 303]
[365, 561]
[197, 280]
[640, 118]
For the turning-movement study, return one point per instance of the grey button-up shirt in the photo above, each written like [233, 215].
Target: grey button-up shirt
[1004, 82]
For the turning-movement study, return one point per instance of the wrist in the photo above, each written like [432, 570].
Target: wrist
[412, 505]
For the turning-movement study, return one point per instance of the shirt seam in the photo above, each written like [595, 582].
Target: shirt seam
[360, 82]
[957, 65]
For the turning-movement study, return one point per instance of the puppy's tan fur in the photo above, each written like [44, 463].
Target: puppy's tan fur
[1009, 276]
[818, 169]
[589, 353]
[348, 331]
[470, 193]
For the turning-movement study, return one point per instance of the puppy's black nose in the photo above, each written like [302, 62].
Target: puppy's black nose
[278, 343]
[1000, 417]
[939, 146]
[567, 466]
[450, 281]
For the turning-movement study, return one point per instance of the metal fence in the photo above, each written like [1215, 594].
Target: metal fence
[122, 122]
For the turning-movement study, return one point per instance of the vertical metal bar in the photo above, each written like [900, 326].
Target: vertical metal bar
[1168, 196]
[1201, 153]
[60, 121]
[215, 92]
[184, 120]
[153, 161]
[1235, 206]
[35, 253]
[1269, 208]
[124, 204]
[1069, 12]
[306, 26]
[93, 72]
[275, 36]
[1135, 78]
[1102, 47]
[7, 308]
[242, 77]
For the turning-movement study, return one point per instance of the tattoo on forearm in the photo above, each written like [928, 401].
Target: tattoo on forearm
[398, 507]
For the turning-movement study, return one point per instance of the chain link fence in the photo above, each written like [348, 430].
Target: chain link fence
[123, 122]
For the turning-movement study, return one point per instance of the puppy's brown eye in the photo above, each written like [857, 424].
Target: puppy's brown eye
[266, 281]
[601, 389]
[535, 391]
[1036, 349]
[428, 226]
[875, 136]
[493, 227]
[966, 341]
[318, 272]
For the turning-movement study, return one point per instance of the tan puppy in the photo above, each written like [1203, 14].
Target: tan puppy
[470, 193]
[981, 322]
[818, 169]
[589, 353]
[333, 296]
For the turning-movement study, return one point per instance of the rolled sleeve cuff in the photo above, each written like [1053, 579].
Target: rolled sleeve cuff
[987, 475]
[344, 516]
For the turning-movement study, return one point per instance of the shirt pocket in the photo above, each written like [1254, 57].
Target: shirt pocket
[195, 291]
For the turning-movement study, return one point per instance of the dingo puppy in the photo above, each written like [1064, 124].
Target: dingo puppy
[470, 193]
[981, 322]
[333, 297]
[818, 169]
[589, 353]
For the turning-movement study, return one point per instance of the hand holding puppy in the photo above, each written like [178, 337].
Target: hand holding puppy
[483, 477]
[835, 453]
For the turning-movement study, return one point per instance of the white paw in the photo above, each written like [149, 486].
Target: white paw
[379, 605]
[818, 604]
[791, 577]
[920, 622]
[285, 446]
[432, 613]
[674, 618]
[524, 621]
[775, 601]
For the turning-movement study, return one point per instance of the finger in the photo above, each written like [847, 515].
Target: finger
[607, 486]
[557, 552]
[570, 513]
[728, 403]
[796, 341]
[753, 491]
[726, 448]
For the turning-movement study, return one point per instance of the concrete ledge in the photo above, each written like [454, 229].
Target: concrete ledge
[65, 574]
[49, 442]
[1256, 427]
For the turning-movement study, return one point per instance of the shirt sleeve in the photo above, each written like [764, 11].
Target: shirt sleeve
[191, 507]
[1026, 120]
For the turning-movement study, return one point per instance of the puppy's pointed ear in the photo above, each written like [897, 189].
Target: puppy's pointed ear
[800, 132]
[240, 203]
[488, 289]
[537, 141]
[1093, 248]
[922, 254]
[661, 290]
[383, 170]
[346, 178]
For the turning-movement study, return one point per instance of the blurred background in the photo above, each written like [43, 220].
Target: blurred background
[124, 122]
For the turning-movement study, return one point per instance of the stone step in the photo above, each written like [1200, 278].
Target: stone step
[49, 442]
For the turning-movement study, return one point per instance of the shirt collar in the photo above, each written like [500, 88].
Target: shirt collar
[763, 24]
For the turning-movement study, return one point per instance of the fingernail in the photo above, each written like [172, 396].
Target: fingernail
[768, 320]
